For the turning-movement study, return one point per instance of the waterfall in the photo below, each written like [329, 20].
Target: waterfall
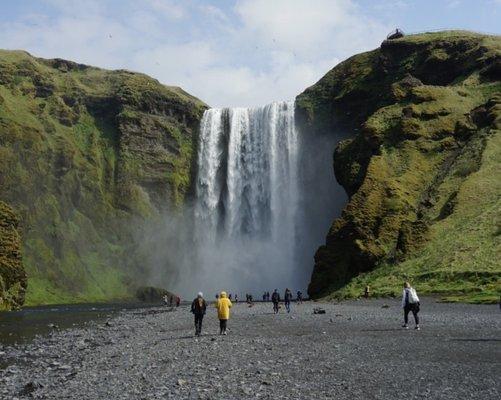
[247, 195]
[247, 171]
[265, 196]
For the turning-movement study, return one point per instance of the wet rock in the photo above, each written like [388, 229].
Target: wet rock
[29, 388]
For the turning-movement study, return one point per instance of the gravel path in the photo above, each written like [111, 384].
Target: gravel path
[356, 350]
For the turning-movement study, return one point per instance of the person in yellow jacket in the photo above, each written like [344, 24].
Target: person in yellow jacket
[223, 305]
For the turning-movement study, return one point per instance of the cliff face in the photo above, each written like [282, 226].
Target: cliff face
[12, 275]
[421, 167]
[86, 156]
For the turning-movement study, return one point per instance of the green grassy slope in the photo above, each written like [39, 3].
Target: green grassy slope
[87, 155]
[421, 167]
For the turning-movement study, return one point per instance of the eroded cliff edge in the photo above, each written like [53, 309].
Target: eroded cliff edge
[421, 167]
[86, 156]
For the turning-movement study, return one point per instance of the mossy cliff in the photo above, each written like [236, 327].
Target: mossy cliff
[12, 274]
[86, 156]
[421, 166]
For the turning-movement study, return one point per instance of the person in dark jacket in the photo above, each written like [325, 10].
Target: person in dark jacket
[299, 297]
[275, 298]
[287, 299]
[198, 308]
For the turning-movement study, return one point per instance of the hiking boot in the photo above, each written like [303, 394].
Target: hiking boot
[417, 328]
[224, 333]
[405, 326]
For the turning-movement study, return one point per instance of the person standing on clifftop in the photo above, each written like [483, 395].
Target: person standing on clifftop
[198, 308]
[275, 298]
[223, 305]
[410, 303]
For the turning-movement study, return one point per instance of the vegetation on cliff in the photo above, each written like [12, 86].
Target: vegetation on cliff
[421, 167]
[12, 274]
[86, 156]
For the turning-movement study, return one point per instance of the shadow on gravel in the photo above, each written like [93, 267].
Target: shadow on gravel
[475, 340]
[384, 330]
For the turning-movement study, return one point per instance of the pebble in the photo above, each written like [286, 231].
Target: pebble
[154, 355]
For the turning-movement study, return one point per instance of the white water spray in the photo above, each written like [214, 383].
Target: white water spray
[246, 197]
[265, 197]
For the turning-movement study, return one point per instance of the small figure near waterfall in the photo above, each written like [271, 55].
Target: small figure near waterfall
[236, 298]
[299, 297]
[198, 308]
[275, 298]
[287, 299]
[223, 305]
[410, 303]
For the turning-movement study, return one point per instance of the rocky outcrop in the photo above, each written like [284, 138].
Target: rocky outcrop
[12, 275]
[88, 156]
[423, 112]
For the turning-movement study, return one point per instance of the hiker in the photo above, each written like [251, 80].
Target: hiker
[229, 296]
[223, 305]
[171, 300]
[287, 299]
[165, 299]
[275, 298]
[178, 301]
[264, 296]
[299, 297]
[236, 298]
[410, 302]
[367, 291]
[198, 307]
[268, 296]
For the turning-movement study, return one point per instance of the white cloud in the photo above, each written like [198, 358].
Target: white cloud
[258, 52]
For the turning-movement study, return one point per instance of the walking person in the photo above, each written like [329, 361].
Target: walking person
[223, 305]
[198, 308]
[410, 303]
[287, 299]
[275, 298]
[299, 297]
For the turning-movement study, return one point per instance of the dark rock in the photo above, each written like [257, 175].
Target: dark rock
[29, 388]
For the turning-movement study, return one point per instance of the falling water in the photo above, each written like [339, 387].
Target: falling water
[265, 198]
[246, 195]
[247, 178]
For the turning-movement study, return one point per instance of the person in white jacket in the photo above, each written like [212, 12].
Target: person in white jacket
[410, 303]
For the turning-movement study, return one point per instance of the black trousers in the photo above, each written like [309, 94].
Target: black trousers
[275, 306]
[414, 308]
[222, 325]
[198, 322]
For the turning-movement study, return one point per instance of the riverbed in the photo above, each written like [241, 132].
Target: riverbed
[356, 350]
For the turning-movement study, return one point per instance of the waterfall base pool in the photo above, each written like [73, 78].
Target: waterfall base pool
[22, 326]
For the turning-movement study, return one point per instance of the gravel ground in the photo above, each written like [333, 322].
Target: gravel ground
[356, 350]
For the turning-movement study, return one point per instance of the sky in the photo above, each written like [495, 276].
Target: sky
[229, 52]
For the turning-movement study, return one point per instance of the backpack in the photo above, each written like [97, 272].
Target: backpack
[413, 298]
